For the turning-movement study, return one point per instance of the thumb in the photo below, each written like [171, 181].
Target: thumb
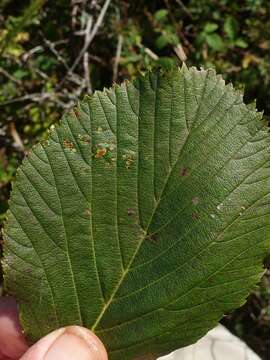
[73, 342]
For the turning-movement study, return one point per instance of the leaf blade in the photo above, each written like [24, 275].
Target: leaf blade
[157, 193]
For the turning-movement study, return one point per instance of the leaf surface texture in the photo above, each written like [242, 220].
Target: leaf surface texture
[144, 216]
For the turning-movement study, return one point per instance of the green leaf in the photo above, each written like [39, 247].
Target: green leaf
[130, 59]
[161, 14]
[167, 63]
[162, 41]
[20, 73]
[215, 42]
[144, 216]
[210, 27]
[241, 43]
[231, 27]
[166, 39]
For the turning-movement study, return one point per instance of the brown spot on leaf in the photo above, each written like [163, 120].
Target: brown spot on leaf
[184, 172]
[101, 152]
[84, 139]
[68, 144]
[195, 216]
[130, 212]
[195, 200]
[129, 159]
[76, 112]
[152, 238]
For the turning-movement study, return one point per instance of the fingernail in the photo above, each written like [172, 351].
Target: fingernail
[76, 343]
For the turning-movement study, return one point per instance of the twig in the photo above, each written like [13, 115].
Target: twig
[41, 73]
[32, 97]
[51, 46]
[117, 57]
[36, 97]
[31, 52]
[16, 137]
[10, 77]
[179, 51]
[89, 39]
[184, 8]
[87, 72]
[149, 52]
[86, 55]
[74, 13]
[97, 59]
[39, 48]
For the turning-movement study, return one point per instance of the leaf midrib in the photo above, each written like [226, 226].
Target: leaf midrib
[132, 259]
[125, 272]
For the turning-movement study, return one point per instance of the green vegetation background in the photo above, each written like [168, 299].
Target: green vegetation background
[52, 52]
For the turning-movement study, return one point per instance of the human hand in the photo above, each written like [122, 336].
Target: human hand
[72, 342]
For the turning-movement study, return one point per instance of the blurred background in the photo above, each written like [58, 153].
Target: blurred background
[52, 52]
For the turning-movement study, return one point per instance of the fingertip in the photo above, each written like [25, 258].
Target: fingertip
[73, 342]
[12, 342]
